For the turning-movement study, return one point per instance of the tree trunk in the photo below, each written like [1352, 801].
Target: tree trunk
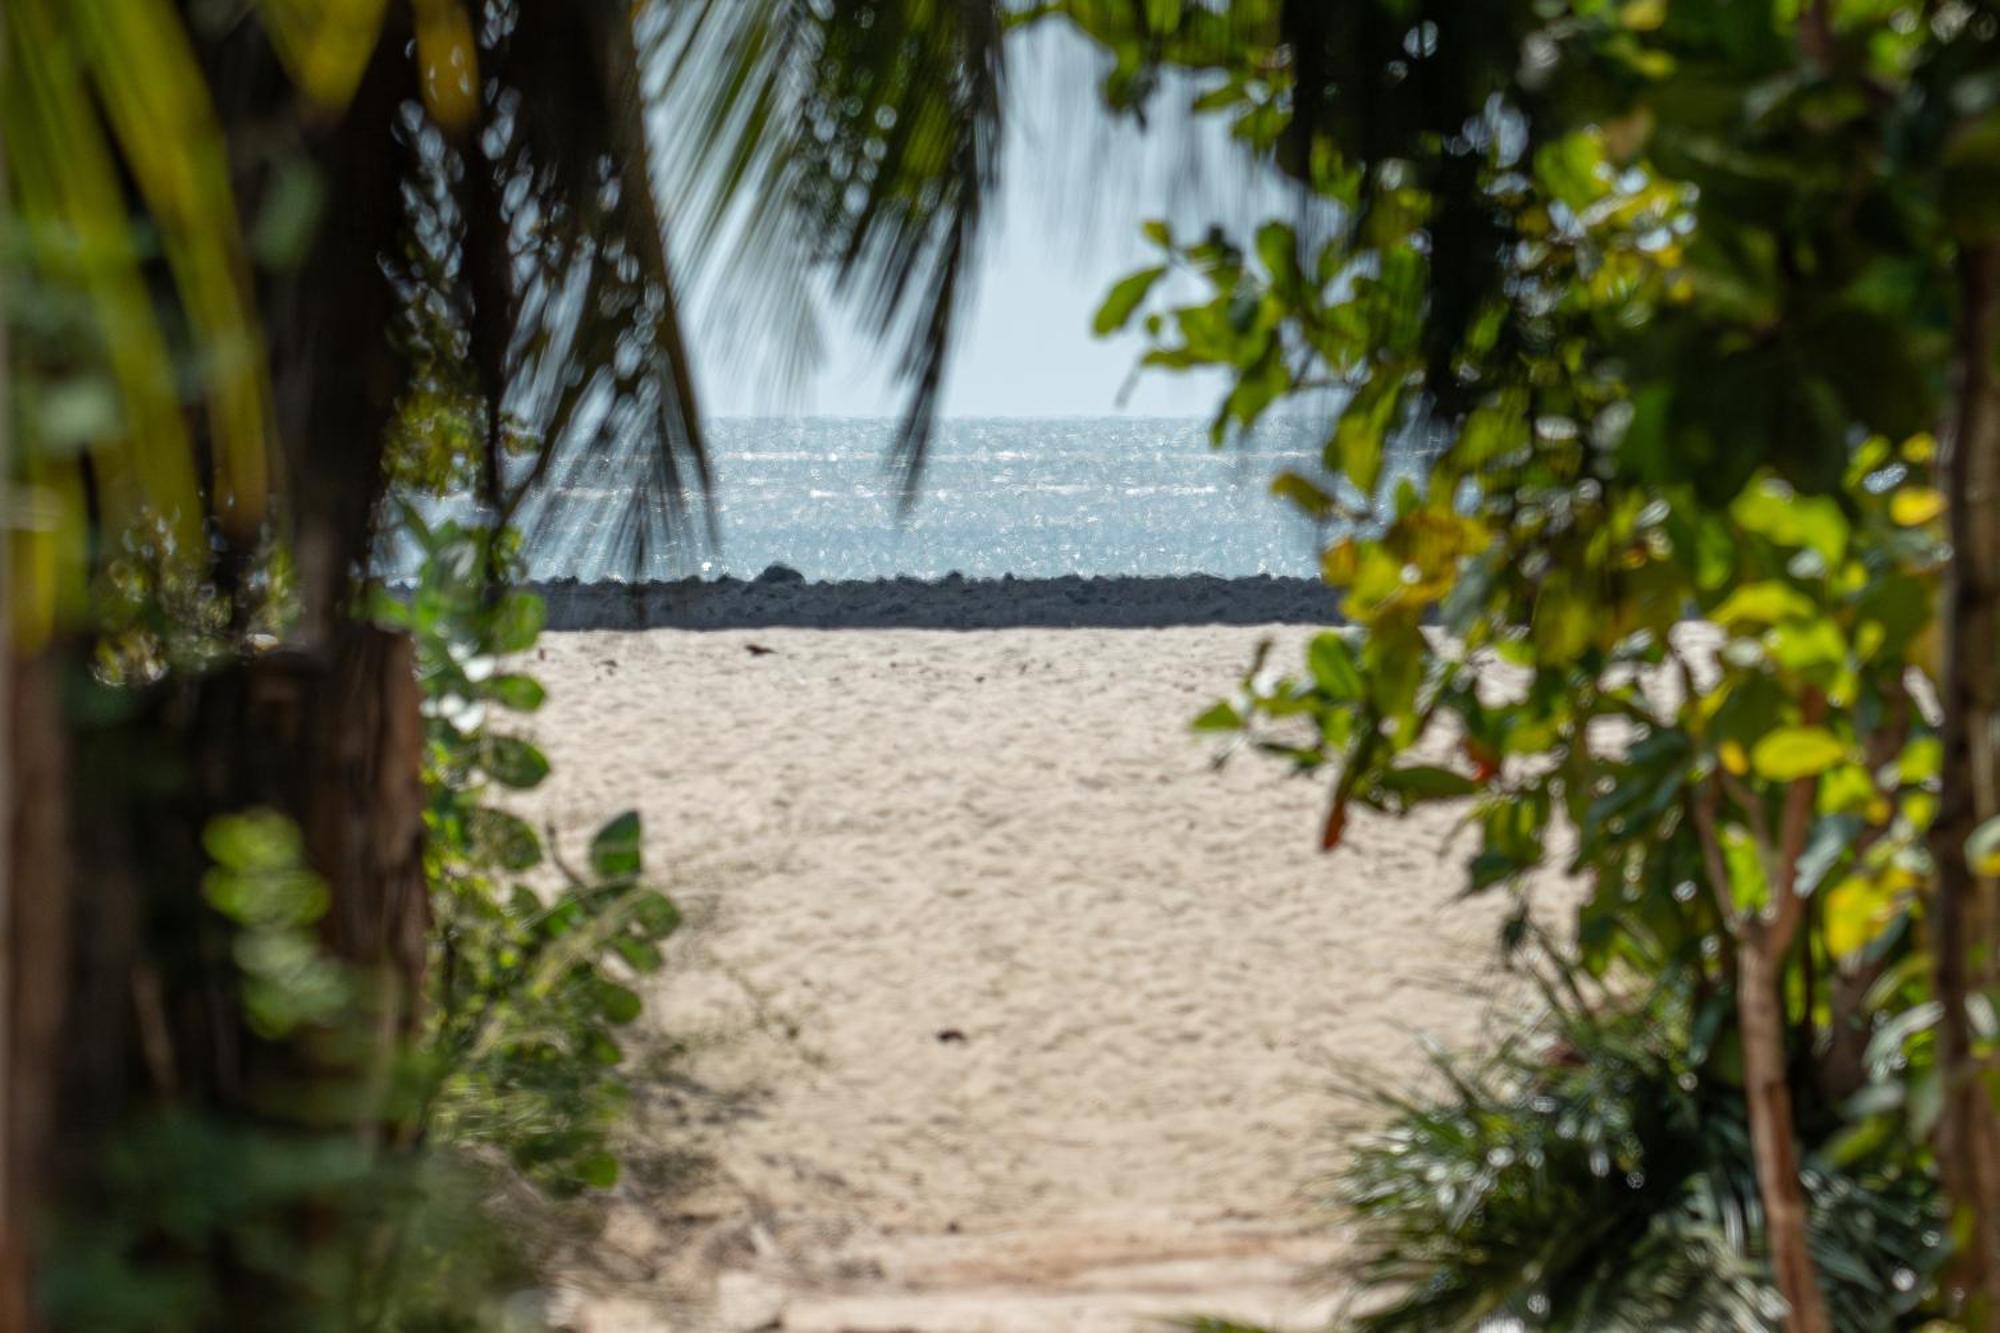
[335, 741]
[1760, 1016]
[34, 936]
[1965, 911]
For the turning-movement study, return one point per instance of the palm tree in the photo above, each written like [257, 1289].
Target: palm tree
[301, 209]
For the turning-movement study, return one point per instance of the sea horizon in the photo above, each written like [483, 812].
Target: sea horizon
[1031, 497]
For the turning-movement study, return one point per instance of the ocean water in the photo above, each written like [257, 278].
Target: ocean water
[1027, 497]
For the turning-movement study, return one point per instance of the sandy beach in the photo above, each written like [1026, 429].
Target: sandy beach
[999, 1007]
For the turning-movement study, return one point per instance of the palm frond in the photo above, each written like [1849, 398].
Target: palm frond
[153, 94]
[1586, 1177]
[540, 230]
[67, 195]
[856, 137]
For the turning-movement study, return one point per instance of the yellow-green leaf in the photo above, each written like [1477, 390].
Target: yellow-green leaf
[1857, 909]
[1914, 506]
[1796, 752]
[1124, 298]
[1766, 603]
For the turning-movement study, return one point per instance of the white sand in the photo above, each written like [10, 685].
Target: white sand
[882, 835]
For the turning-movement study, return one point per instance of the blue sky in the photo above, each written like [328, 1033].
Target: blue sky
[1075, 187]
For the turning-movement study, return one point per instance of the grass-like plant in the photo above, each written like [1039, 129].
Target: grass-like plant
[1589, 1175]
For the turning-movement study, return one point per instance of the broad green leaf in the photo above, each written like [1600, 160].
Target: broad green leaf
[1849, 789]
[523, 694]
[618, 1004]
[1125, 297]
[1747, 882]
[1921, 760]
[1361, 435]
[1219, 717]
[1790, 753]
[1772, 509]
[505, 840]
[1334, 669]
[1278, 248]
[655, 915]
[598, 1170]
[615, 851]
[642, 956]
[1427, 782]
[1807, 645]
[1307, 495]
[1767, 603]
[513, 762]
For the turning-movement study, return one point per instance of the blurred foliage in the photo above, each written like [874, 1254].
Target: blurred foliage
[284, 1214]
[201, 464]
[1594, 1173]
[532, 974]
[1678, 292]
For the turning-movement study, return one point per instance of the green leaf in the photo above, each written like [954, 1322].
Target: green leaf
[600, 1049]
[1572, 169]
[1747, 882]
[1767, 603]
[1427, 782]
[513, 762]
[1308, 496]
[655, 915]
[1278, 248]
[614, 852]
[505, 840]
[1219, 717]
[1921, 760]
[516, 622]
[642, 956]
[618, 1004]
[1361, 435]
[1334, 669]
[598, 1170]
[1125, 298]
[523, 694]
[1808, 644]
[257, 840]
[1790, 753]
[1772, 509]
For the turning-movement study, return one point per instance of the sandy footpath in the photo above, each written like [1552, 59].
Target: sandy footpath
[999, 1008]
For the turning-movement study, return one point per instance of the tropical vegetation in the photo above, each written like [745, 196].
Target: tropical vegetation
[289, 987]
[1700, 594]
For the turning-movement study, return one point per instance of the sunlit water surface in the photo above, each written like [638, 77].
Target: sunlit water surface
[1027, 497]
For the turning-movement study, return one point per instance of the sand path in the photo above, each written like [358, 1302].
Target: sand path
[1002, 1009]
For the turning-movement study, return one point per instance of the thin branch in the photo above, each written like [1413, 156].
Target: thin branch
[1796, 823]
[1703, 807]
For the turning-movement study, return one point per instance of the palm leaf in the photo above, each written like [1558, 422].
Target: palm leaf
[153, 94]
[857, 137]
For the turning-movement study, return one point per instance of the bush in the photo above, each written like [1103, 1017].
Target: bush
[1595, 1173]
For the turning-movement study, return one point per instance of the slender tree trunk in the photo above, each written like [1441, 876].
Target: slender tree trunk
[1760, 1016]
[1763, 939]
[1964, 917]
[34, 937]
[13, 1240]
